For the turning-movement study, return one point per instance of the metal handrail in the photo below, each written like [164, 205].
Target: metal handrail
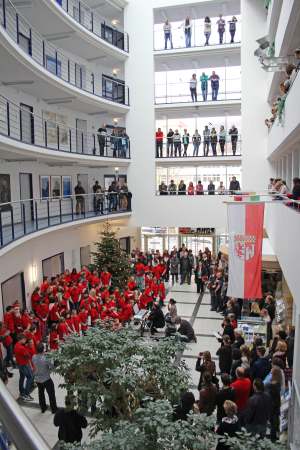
[20, 429]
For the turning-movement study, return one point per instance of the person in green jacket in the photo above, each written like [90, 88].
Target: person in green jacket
[204, 85]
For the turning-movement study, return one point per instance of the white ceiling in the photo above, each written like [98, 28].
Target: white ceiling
[186, 111]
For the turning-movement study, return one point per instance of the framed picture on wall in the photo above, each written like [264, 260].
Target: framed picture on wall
[5, 191]
[44, 187]
[55, 187]
[66, 187]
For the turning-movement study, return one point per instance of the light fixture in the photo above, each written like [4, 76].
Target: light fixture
[226, 61]
[116, 169]
[98, 113]
[99, 58]
[166, 66]
[20, 5]
[57, 102]
[194, 12]
[114, 22]
[53, 101]
[33, 273]
[66, 37]
[62, 164]
[102, 5]
[164, 15]
[195, 64]
[22, 160]
[224, 9]
[115, 72]
[18, 83]
[115, 122]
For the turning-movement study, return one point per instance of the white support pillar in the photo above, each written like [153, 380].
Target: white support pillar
[289, 170]
[283, 167]
[295, 163]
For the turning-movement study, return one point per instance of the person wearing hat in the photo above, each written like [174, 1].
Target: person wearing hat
[186, 330]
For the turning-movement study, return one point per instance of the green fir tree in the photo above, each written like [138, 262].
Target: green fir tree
[109, 254]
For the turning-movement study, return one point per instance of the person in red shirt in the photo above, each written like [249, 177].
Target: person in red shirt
[148, 293]
[127, 295]
[120, 314]
[45, 285]
[73, 276]
[53, 337]
[53, 311]
[242, 388]
[103, 314]
[84, 269]
[105, 277]
[156, 272]
[26, 320]
[17, 318]
[83, 319]
[33, 334]
[42, 313]
[76, 320]
[149, 280]
[162, 268]
[162, 293]
[35, 296]
[140, 274]
[117, 293]
[75, 294]
[131, 283]
[143, 300]
[9, 323]
[81, 284]
[8, 344]
[155, 289]
[94, 278]
[22, 358]
[67, 277]
[84, 302]
[63, 331]
[159, 143]
[94, 315]
[31, 350]
[69, 322]
[92, 296]
[128, 313]
[105, 294]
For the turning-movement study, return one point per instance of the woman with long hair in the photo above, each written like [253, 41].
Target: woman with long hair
[200, 274]
[255, 311]
[246, 358]
[225, 355]
[207, 366]
[274, 391]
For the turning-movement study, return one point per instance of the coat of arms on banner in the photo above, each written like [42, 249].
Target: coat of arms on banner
[244, 247]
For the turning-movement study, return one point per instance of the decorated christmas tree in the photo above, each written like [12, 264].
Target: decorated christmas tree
[109, 254]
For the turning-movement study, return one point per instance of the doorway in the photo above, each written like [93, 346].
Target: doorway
[85, 255]
[53, 265]
[26, 194]
[81, 136]
[13, 289]
[26, 124]
[122, 179]
[125, 244]
[108, 179]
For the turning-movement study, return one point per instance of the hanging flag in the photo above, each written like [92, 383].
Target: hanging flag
[245, 233]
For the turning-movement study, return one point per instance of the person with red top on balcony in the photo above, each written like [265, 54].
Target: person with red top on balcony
[83, 319]
[42, 313]
[63, 331]
[45, 285]
[35, 296]
[105, 277]
[159, 143]
[54, 337]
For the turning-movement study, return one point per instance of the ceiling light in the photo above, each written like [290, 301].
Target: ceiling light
[194, 12]
[18, 83]
[21, 160]
[57, 102]
[102, 5]
[165, 17]
[166, 66]
[67, 37]
[99, 58]
[65, 164]
[224, 9]
[20, 5]
[195, 64]
[114, 22]
[98, 113]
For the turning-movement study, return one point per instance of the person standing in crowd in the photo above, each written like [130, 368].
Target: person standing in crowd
[174, 264]
[200, 275]
[96, 187]
[182, 188]
[221, 188]
[296, 188]
[222, 139]
[69, 423]
[193, 87]
[242, 387]
[225, 355]
[233, 132]
[196, 142]
[213, 141]
[229, 424]
[102, 133]
[185, 141]
[204, 85]
[177, 143]
[226, 393]
[114, 142]
[291, 342]
[274, 391]
[79, 193]
[185, 268]
[234, 185]
[170, 142]
[261, 368]
[206, 134]
[191, 188]
[207, 395]
[163, 189]
[126, 192]
[42, 371]
[259, 410]
[168, 33]
[211, 188]
[187, 26]
[124, 138]
[232, 28]
[207, 29]
[185, 329]
[221, 28]
[172, 188]
[214, 79]
[159, 143]
[22, 360]
[199, 188]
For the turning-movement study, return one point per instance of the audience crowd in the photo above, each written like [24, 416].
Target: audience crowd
[181, 189]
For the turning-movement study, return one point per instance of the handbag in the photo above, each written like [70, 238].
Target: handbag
[204, 278]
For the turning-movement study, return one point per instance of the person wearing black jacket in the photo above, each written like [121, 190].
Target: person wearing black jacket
[185, 268]
[70, 424]
[207, 366]
[257, 342]
[225, 355]
[200, 271]
[181, 411]
[259, 410]
[102, 133]
[228, 329]
[95, 189]
[271, 310]
[234, 137]
[274, 391]
[233, 308]
[170, 143]
[79, 192]
[227, 393]
[116, 189]
[156, 318]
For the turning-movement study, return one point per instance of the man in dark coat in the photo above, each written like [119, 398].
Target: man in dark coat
[156, 318]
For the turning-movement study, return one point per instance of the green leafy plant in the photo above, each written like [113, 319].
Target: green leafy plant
[244, 441]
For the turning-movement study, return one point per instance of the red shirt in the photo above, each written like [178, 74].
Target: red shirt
[25, 321]
[94, 316]
[83, 320]
[148, 293]
[143, 301]
[120, 316]
[34, 299]
[117, 295]
[38, 330]
[53, 336]
[74, 277]
[63, 307]
[62, 328]
[105, 278]
[9, 321]
[74, 293]
[68, 279]
[34, 337]
[104, 295]
[20, 352]
[17, 323]
[70, 324]
[140, 270]
[128, 311]
[86, 306]
[156, 272]
[76, 322]
[32, 352]
[53, 315]
[91, 300]
[43, 310]
[155, 289]
[242, 388]
[94, 280]
[159, 136]
[7, 340]
[44, 287]
[162, 291]
[131, 285]
[162, 269]
[149, 281]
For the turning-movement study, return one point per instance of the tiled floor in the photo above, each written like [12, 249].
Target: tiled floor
[204, 322]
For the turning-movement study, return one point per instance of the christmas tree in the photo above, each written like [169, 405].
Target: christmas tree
[110, 255]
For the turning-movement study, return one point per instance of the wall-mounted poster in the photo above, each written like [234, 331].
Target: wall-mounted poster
[55, 187]
[66, 187]
[63, 128]
[44, 187]
[5, 191]
[53, 120]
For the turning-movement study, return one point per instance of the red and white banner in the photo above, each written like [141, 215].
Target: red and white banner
[245, 233]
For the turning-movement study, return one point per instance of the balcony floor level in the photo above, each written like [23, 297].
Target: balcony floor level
[202, 109]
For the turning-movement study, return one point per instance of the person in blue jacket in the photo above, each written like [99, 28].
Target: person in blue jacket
[124, 139]
[204, 85]
[214, 79]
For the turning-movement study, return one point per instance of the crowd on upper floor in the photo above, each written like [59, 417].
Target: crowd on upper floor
[278, 186]
[204, 79]
[119, 141]
[172, 189]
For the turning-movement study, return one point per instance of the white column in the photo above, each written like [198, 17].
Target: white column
[283, 167]
[289, 170]
[295, 163]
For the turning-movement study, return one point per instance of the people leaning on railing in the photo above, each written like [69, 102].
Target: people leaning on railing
[119, 142]
[163, 189]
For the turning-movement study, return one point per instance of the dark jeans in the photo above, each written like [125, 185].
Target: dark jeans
[193, 94]
[257, 429]
[274, 424]
[25, 372]
[49, 386]
[169, 145]
[206, 144]
[241, 418]
[232, 33]
[214, 93]
[174, 275]
[218, 300]
[222, 145]
[200, 285]
[76, 306]
[212, 300]
[221, 36]
[159, 149]
[214, 148]
[168, 36]
[187, 273]
[207, 36]
[177, 145]
[10, 356]
[101, 148]
[233, 144]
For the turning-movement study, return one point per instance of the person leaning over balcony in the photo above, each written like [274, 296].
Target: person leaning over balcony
[234, 137]
[102, 133]
[221, 188]
[221, 28]
[168, 33]
[207, 29]
[191, 188]
[204, 85]
[116, 189]
[170, 142]
[211, 187]
[214, 79]
[185, 141]
[199, 188]
[163, 189]
[79, 192]
[297, 57]
[206, 134]
[213, 141]
[182, 188]
[114, 141]
[172, 188]
[222, 139]
[296, 188]
[193, 87]
[124, 143]
[177, 143]
[232, 28]
[196, 142]
[234, 185]
[187, 26]
[159, 142]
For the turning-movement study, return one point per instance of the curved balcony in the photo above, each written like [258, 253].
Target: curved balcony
[91, 22]
[21, 218]
[23, 126]
[60, 66]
